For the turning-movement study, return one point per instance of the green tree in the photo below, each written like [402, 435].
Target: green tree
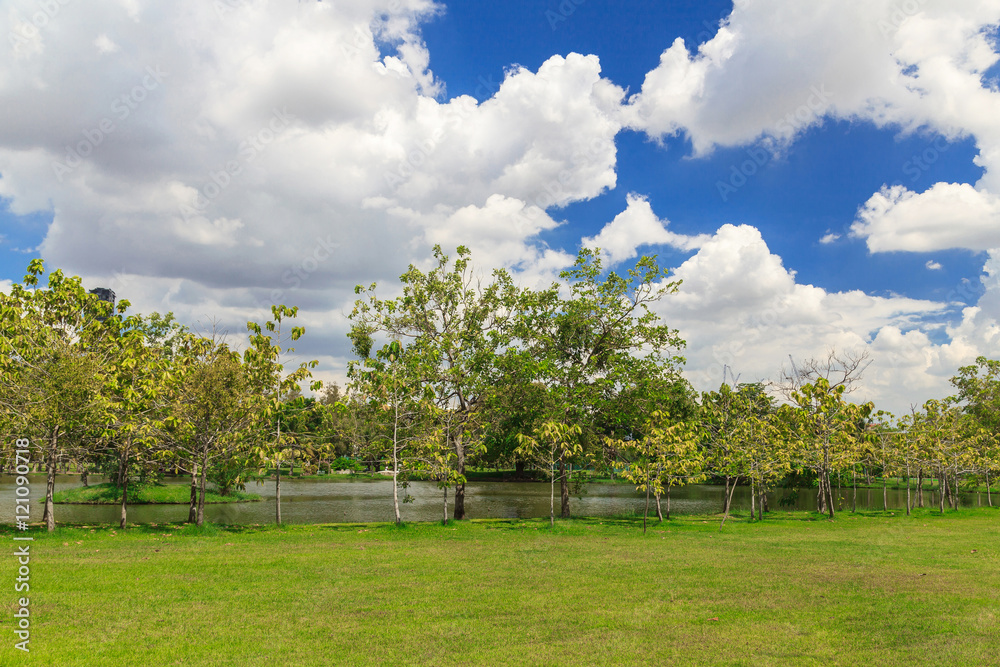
[269, 382]
[668, 454]
[454, 326]
[52, 374]
[830, 429]
[601, 339]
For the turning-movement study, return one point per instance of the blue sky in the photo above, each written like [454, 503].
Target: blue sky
[869, 219]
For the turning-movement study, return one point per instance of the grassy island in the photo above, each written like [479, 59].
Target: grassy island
[157, 494]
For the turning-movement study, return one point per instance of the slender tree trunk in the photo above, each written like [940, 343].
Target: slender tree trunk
[659, 513]
[646, 511]
[668, 503]
[50, 486]
[277, 492]
[725, 497]
[885, 494]
[201, 490]
[124, 469]
[459, 513]
[83, 477]
[395, 477]
[763, 501]
[728, 503]
[563, 489]
[829, 489]
[989, 498]
[552, 494]
[444, 518]
[753, 498]
[955, 501]
[518, 469]
[193, 509]
[920, 487]
[820, 493]
[941, 489]
[854, 495]
[277, 477]
[909, 501]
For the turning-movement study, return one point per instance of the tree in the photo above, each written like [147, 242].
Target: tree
[455, 326]
[402, 410]
[979, 391]
[135, 389]
[604, 337]
[215, 411]
[829, 429]
[267, 379]
[551, 443]
[668, 454]
[52, 374]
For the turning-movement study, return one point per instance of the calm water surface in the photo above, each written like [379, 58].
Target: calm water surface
[344, 499]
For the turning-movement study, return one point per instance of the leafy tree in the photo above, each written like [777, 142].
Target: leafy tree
[830, 429]
[52, 374]
[268, 380]
[455, 326]
[668, 454]
[401, 412]
[215, 408]
[550, 444]
[979, 391]
[603, 338]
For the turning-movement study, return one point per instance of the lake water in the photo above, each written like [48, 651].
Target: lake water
[359, 500]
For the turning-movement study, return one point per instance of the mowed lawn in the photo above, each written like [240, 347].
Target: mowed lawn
[794, 590]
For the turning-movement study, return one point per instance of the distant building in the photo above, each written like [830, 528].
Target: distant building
[104, 294]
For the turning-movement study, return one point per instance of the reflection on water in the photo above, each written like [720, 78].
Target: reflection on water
[349, 500]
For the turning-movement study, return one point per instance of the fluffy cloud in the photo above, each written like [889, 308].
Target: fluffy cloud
[738, 306]
[236, 154]
[948, 215]
[214, 158]
[635, 227]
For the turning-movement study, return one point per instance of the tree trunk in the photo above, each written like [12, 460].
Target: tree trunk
[518, 469]
[122, 523]
[459, 513]
[909, 502]
[444, 518]
[728, 503]
[193, 509]
[277, 492]
[829, 490]
[668, 503]
[989, 498]
[645, 511]
[885, 494]
[753, 498]
[50, 486]
[659, 513]
[726, 497]
[920, 487]
[395, 489]
[941, 489]
[563, 489]
[763, 501]
[820, 494]
[552, 495]
[854, 495]
[201, 491]
[83, 477]
[954, 493]
[124, 475]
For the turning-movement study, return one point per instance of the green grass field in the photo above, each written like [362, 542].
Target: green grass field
[173, 494]
[794, 590]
